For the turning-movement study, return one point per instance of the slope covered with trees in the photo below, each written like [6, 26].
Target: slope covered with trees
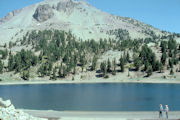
[57, 54]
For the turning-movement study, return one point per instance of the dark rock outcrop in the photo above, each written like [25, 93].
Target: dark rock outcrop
[43, 13]
[67, 6]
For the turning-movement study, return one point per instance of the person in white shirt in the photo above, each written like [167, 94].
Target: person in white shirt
[166, 110]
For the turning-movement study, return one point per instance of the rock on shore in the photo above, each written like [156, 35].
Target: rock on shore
[8, 112]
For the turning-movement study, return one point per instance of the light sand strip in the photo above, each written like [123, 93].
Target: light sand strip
[71, 115]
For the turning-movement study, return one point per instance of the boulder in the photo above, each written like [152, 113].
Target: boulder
[5, 104]
[43, 13]
[8, 112]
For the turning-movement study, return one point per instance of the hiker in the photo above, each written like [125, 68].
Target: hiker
[160, 110]
[166, 110]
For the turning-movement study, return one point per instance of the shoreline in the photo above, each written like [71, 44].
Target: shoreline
[45, 82]
[100, 115]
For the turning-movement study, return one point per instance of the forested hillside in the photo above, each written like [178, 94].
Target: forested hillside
[57, 54]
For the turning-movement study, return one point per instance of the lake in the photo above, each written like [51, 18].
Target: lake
[93, 97]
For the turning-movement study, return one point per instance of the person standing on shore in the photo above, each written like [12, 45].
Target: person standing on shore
[160, 110]
[166, 110]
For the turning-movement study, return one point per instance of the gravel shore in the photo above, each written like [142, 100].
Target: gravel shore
[80, 115]
[140, 80]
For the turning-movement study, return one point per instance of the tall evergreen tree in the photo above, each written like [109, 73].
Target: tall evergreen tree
[122, 63]
[114, 67]
[171, 71]
[64, 71]
[94, 63]
[25, 75]
[108, 66]
[54, 77]
[128, 57]
[34, 60]
[161, 67]
[1, 67]
[149, 71]
[171, 63]
[4, 54]
[103, 68]
[60, 71]
[146, 66]
[11, 63]
[163, 58]
[74, 69]
[83, 62]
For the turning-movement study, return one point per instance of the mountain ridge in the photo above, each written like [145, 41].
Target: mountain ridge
[84, 20]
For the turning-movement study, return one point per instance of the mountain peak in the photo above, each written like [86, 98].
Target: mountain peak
[78, 16]
[45, 11]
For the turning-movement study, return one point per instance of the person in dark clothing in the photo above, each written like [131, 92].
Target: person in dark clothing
[160, 111]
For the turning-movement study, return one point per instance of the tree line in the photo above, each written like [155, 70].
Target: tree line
[61, 54]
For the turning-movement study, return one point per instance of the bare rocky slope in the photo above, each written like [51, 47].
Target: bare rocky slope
[84, 20]
[8, 112]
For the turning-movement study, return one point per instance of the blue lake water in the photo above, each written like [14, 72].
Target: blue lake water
[93, 97]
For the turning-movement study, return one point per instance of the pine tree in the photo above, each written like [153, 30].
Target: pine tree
[171, 63]
[114, 67]
[28, 75]
[74, 64]
[1, 67]
[83, 62]
[137, 63]
[60, 71]
[146, 66]
[42, 71]
[108, 66]
[74, 69]
[163, 58]
[94, 63]
[34, 60]
[41, 56]
[154, 63]
[17, 64]
[161, 67]
[128, 57]
[25, 75]
[103, 68]
[171, 72]
[122, 63]
[11, 63]
[149, 71]
[64, 72]
[4, 54]
[10, 44]
[163, 46]
[54, 77]
[50, 66]
[170, 53]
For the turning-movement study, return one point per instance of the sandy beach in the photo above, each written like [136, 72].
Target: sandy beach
[80, 115]
[92, 81]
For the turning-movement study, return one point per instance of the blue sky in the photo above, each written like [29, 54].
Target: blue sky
[163, 14]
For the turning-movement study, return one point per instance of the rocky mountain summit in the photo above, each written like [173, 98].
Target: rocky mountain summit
[84, 20]
[68, 5]
[43, 13]
[8, 112]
